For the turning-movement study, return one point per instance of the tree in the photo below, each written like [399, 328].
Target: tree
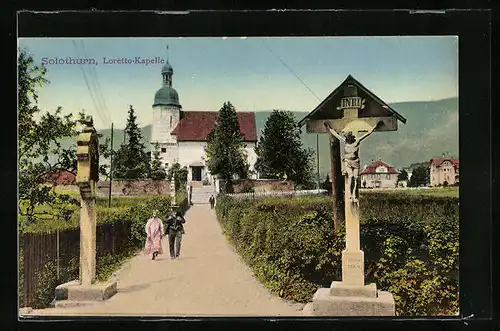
[225, 149]
[418, 177]
[131, 161]
[178, 174]
[157, 171]
[280, 153]
[40, 151]
[403, 175]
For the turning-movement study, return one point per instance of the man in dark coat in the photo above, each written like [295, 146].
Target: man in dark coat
[175, 230]
[212, 201]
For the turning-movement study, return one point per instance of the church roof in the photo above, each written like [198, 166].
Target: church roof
[196, 125]
[167, 68]
[166, 96]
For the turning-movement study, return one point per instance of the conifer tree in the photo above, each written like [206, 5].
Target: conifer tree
[157, 171]
[225, 147]
[132, 160]
[280, 153]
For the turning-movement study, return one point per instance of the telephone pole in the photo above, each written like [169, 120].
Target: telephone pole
[317, 160]
[110, 168]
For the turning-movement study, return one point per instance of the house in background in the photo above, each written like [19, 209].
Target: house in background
[379, 175]
[182, 135]
[61, 177]
[443, 171]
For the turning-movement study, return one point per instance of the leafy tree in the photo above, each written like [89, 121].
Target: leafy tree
[40, 152]
[418, 177]
[131, 161]
[403, 175]
[178, 174]
[158, 171]
[225, 148]
[280, 153]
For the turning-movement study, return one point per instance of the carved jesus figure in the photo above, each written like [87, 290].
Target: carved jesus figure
[351, 156]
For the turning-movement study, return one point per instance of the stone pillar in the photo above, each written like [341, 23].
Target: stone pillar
[86, 289]
[87, 241]
[352, 256]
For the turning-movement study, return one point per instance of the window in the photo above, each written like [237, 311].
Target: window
[163, 150]
[387, 176]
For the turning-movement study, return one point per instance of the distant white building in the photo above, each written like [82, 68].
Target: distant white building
[182, 135]
[379, 175]
[444, 171]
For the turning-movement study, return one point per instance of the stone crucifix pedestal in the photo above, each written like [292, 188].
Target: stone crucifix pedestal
[351, 117]
[86, 290]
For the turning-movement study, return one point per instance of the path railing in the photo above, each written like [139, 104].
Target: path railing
[254, 195]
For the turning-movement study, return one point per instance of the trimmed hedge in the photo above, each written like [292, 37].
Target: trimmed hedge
[410, 245]
[135, 209]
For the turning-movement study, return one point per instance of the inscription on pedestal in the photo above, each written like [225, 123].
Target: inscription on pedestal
[353, 268]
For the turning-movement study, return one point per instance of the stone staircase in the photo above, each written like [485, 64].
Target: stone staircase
[202, 194]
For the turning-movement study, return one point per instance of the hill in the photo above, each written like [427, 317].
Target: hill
[431, 130]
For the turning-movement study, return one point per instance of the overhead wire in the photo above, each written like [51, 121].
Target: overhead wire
[97, 88]
[96, 107]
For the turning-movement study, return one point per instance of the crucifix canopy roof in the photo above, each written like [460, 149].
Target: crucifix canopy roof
[374, 106]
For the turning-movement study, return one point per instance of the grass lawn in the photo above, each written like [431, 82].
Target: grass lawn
[450, 191]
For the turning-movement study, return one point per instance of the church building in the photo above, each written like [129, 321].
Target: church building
[182, 135]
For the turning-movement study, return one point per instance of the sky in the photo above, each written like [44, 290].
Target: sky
[254, 74]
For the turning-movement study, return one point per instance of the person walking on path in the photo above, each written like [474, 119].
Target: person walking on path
[212, 201]
[154, 230]
[191, 195]
[175, 230]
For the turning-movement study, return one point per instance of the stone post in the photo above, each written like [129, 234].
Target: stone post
[86, 289]
[87, 242]
[352, 256]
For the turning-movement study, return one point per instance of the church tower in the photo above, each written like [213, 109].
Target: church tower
[166, 115]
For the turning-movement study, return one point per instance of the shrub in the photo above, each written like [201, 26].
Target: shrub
[410, 244]
[47, 281]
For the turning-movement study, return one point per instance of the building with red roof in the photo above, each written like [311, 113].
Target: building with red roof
[443, 171]
[61, 177]
[379, 174]
[182, 135]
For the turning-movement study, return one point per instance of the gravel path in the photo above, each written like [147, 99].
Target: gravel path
[208, 279]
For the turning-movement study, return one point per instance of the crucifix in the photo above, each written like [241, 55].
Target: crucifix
[349, 118]
[351, 130]
[350, 160]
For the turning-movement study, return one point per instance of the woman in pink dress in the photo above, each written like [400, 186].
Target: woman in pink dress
[154, 231]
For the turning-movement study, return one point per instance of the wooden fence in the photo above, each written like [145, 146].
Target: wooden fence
[61, 247]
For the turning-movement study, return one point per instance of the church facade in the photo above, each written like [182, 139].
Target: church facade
[182, 135]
